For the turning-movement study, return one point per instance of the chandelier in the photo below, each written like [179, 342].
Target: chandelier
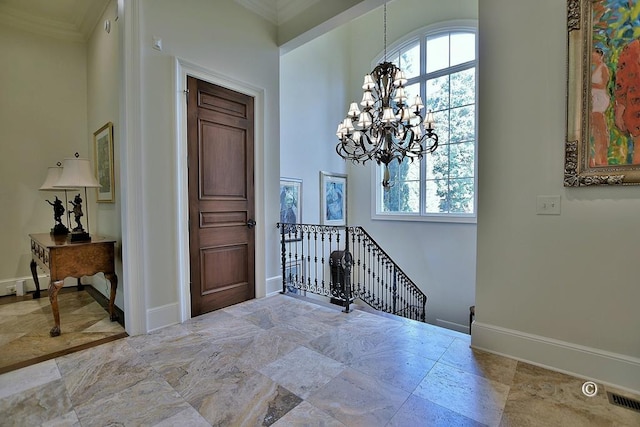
[390, 126]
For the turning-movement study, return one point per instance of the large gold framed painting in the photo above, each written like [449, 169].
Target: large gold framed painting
[603, 93]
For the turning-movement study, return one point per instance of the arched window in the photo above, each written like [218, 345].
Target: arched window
[440, 65]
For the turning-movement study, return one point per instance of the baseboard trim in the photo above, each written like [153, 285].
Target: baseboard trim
[30, 285]
[453, 326]
[165, 315]
[605, 367]
[270, 294]
[274, 285]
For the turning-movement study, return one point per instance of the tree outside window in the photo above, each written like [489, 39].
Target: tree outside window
[441, 67]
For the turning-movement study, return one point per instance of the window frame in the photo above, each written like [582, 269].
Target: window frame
[420, 35]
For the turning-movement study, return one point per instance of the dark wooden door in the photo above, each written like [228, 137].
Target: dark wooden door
[221, 200]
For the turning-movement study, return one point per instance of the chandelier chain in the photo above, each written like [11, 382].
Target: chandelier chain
[385, 32]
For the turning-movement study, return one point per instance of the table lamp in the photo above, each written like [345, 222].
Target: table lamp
[76, 173]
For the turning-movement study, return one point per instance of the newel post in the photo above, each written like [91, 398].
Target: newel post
[346, 265]
[283, 249]
[395, 289]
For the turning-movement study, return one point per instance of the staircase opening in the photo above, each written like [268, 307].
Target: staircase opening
[347, 266]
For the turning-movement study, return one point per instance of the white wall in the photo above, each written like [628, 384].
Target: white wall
[103, 88]
[43, 119]
[225, 39]
[439, 257]
[560, 291]
[311, 82]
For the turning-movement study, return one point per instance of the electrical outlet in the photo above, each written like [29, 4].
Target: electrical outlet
[11, 289]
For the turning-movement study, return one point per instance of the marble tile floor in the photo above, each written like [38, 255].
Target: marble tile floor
[283, 361]
[25, 325]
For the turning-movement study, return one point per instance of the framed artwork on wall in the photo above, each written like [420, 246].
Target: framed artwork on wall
[103, 149]
[603, 102]
[333, 198]
[291, 207]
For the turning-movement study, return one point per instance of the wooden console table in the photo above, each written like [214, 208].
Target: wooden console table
[62, 259]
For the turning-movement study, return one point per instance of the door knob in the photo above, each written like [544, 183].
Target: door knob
[251, 223]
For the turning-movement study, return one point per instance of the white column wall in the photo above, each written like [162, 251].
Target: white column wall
[560, 291]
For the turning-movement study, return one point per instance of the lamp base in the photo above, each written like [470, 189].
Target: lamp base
[79, 236]
[59, 230]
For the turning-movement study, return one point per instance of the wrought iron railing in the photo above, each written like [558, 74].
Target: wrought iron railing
[346, 264]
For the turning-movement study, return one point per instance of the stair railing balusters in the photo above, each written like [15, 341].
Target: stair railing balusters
[364, 271]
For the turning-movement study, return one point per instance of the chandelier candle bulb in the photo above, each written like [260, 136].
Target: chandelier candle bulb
[430, 121]
[417, 104]
[365, 120]
[367, 99]
[354, 111]
[388, 116]
[400, 96]
[406, 115]
[368, 84]
[400, 79]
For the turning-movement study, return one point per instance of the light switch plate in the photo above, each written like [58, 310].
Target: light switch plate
[548, 205]
[157, 43]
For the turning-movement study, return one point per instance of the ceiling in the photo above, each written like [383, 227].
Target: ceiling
[76, 19]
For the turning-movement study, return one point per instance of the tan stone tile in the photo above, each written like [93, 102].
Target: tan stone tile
[473, 396]
[356, 399]
[418, 411]
[541, 395]
[497, 368]
[307, 415]
[303, 371]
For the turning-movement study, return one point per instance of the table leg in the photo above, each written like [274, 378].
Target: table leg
[80, 285]
[34, 273]
[111, 277]
[54, 288]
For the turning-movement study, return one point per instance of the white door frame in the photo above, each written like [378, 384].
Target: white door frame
[182, 68]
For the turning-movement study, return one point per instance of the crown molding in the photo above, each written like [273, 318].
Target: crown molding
[86, 15]
[277, 11]
[86, 20]
[38, 25]
[266, 8]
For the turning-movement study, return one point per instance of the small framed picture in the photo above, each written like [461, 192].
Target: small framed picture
[333, 198]
[291, 207]
[103, 149]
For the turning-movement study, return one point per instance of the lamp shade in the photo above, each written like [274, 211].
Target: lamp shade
[53, 176]
[77, 173]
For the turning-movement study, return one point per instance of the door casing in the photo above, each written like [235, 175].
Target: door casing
[182, 69]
